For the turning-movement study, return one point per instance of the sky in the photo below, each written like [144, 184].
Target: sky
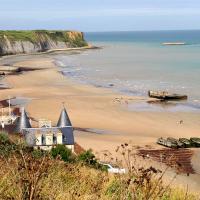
[100, 15]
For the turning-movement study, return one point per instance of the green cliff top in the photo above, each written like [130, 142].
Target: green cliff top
[76, 38]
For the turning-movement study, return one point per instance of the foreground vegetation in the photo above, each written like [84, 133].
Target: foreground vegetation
[74, 39]
[33, 174]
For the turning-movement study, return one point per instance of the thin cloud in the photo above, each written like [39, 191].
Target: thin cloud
[104, 12]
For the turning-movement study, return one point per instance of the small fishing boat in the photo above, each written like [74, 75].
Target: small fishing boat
[195, 141]
[163, 95]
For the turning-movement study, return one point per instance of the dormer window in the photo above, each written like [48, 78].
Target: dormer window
[64, 139]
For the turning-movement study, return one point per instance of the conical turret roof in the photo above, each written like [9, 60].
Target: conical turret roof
[22, 122]
[64, 119]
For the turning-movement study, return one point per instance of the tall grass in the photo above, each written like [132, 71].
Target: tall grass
[28, 174]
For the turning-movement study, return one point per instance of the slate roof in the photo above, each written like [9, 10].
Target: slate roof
[22, 122]
[64, 119]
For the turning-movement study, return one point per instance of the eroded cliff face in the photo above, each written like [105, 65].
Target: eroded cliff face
[17, 42]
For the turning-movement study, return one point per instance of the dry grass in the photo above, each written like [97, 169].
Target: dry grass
[26, 176]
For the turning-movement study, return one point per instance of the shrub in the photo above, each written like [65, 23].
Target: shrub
[6, 146]
[38, 153]
[4, 138]
[30, 171]
[89, 159]
[63, 152]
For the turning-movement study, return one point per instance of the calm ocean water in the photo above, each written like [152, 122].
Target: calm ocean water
[135, 62]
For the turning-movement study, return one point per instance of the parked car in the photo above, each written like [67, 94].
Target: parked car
[114, 169]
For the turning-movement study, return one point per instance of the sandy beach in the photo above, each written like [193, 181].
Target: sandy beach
[96, 109]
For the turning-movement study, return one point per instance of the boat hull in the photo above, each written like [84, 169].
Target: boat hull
[166, 96]
[195, 142]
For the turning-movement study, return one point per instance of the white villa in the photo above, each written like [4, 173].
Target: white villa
[45, 136]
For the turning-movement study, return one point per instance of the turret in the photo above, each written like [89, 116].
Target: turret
[64, 119]
[22, 122]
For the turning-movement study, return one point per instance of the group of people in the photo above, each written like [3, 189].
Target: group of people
[121, 100]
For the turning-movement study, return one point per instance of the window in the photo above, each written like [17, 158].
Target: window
[54, 139]
[43, 140]
[64, 139]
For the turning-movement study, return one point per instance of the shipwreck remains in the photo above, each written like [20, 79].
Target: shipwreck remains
[170, 142]
[164, 95]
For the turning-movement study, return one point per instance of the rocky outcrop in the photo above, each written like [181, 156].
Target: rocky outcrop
[17, 42]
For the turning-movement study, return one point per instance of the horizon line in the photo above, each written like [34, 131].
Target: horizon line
[103, 31]
[153, 30]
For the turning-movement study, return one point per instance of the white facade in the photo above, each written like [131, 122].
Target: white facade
[59, 138]
[71, 147]
[48, 140]
[38, 140]
[44, 123]
[48, 148]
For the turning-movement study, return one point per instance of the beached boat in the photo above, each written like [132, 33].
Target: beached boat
[180, 143]
[186, 142]
[195, 141]
[161, 141]
[169, 142]
[163, 95]
[175, 141]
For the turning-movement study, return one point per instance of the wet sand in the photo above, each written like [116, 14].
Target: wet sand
[96, 109]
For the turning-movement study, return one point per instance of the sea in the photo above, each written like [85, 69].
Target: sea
[135, 62]
[132, 63]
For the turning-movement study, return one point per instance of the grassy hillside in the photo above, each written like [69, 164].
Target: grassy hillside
[59, 175]
[74, 38]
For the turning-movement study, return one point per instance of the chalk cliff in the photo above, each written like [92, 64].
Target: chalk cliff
[17, 42]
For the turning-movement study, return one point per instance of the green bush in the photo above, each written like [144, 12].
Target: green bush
[6, 146]
[88, 158]
[38, 153]
[79, 42]
[4, 138]
[63, 152]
